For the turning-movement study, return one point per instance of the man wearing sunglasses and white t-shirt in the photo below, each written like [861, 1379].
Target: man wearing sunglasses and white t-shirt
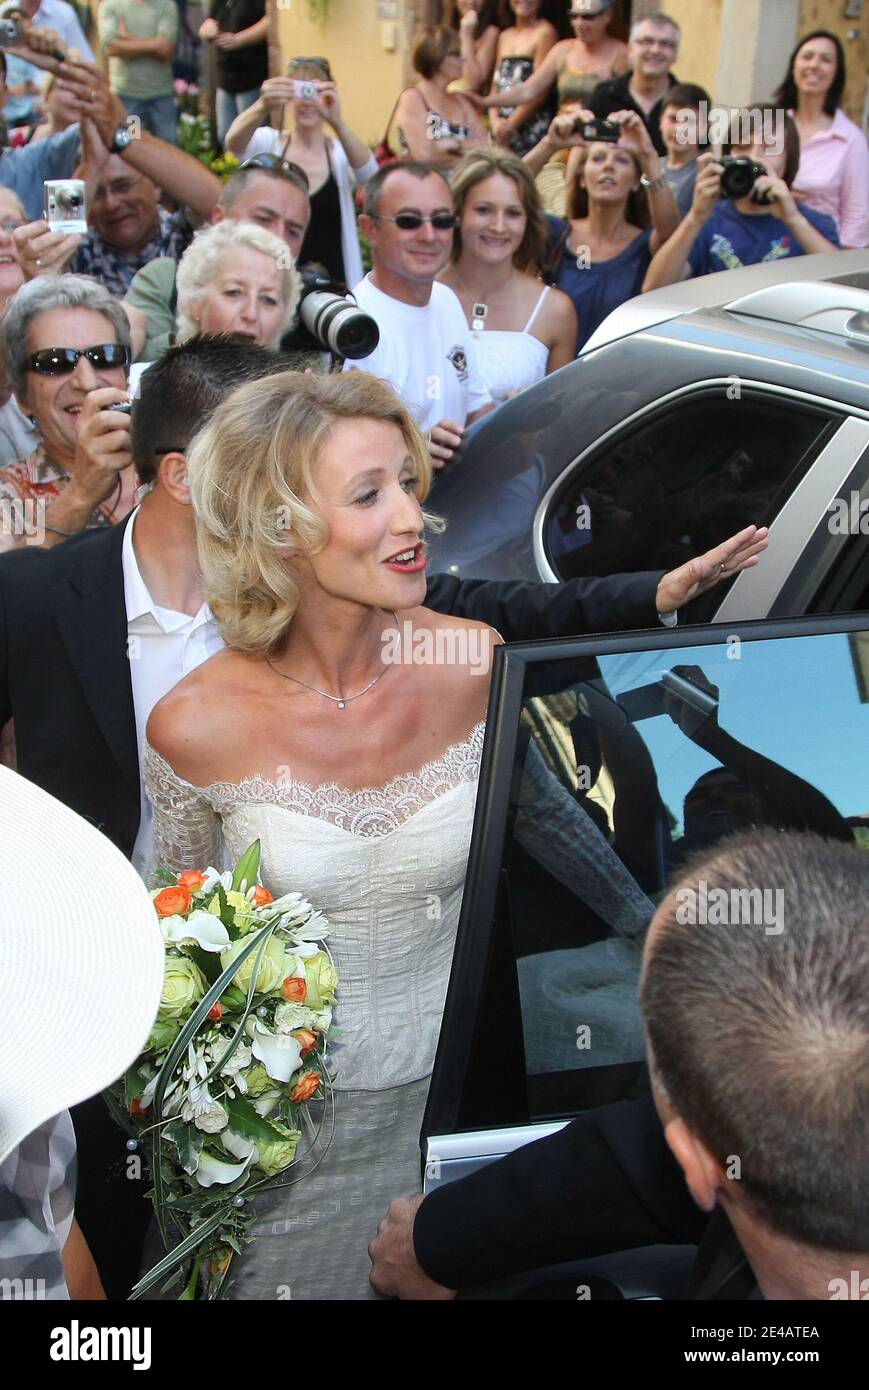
[66, 342]
[426, 349]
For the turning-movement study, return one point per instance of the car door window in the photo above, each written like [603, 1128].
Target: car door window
[626, 758]
[675, 483]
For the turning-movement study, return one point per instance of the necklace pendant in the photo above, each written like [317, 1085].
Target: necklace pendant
[478, 317]
[341, 704]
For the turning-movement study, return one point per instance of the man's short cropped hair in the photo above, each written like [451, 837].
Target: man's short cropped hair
[687, 95]
[659, 19]
[181, 391]
[417, 170]
[243, 178]
[761, 1041]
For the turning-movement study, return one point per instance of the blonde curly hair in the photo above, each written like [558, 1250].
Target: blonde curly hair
[250, 469]
[204, 258]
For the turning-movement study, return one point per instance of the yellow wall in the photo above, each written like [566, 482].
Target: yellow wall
[700, 21]
[369, 77]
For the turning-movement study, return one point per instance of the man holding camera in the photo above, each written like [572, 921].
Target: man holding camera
[654, 44]
[743, 211]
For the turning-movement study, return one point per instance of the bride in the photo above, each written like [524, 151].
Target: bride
[359, 778]
[358, 774]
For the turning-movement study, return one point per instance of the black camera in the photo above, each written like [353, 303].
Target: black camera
[609, 131]
[739, 177]
[328, 320]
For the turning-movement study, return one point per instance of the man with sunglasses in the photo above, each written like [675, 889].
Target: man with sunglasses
[265, 189]
[653, 46]
[426, 349]
[66, 343]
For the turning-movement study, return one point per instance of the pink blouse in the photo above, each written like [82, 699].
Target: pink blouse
[833, 177]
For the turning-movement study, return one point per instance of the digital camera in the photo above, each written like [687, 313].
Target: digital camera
[739, 177]
[597, 130]
[304, 91]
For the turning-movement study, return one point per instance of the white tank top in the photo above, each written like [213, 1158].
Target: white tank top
[509, 360]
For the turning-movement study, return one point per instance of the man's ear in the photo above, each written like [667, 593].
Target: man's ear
[366, 225]
[702, 1171]
[172, 474]
[218, 213]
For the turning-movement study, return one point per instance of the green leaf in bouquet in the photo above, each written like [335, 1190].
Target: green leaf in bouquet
[133, 1085]
[245, 1120]
[163, 878]
[208, 961]
[247, 868]
[233, 999]
[227, 913]
[188, 1140]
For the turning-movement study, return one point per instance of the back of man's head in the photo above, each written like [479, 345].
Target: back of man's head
[180, 392]
[756, 1003]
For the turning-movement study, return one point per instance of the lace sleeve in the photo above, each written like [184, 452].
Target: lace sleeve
[187, 831]
[556, 831]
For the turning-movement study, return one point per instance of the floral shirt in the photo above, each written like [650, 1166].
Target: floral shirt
[116, 268]
[23, 486]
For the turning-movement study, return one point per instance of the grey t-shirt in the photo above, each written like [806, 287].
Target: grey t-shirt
[682, 182]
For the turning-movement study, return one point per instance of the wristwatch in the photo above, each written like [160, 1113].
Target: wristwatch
[122, 137]
[654, 185]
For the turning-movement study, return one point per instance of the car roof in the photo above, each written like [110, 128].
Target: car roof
[800, 286]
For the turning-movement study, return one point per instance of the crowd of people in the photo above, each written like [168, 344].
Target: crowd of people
[160, 403]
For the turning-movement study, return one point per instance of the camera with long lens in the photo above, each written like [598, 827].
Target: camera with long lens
[739, 177]
[328, 320]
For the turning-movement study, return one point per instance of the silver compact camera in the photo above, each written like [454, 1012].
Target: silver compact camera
[65, 208]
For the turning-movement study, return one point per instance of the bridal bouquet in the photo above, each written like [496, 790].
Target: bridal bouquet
[217, 1100]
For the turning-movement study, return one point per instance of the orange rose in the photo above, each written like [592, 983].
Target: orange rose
[172, 901]
[306, 1039]
[216, 1014]
[262, 897]
[192, 880]
[294, 989]
[307, 1087]
[219, 1262]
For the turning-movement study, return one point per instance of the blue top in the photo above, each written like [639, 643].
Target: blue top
[25, 170]
[732, 238]
[597, 289]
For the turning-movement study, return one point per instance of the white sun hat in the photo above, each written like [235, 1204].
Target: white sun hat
[81, 960]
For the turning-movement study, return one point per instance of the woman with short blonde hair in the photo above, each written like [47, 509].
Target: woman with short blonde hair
[253, 523]
[236, 277]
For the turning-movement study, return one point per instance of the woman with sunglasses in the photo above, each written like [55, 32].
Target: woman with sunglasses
[66, 343]
[434, 125]
[833, 176]
[239, 30]
[620, 211]
[573, 67]
[523, 329]
[333, 167]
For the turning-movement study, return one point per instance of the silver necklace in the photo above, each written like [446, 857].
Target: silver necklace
[480, 308]
[340, 700]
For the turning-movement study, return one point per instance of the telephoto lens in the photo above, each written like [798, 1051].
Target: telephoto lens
[333, 322]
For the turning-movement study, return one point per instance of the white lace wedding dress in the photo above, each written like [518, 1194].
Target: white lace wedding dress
[387, 866]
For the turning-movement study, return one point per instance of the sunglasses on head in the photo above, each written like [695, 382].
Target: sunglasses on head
[60, 361]
[587, 14]
[274, 164]
[412, 221]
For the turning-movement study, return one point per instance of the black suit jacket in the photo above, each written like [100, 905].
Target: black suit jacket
[604, 1183]
[65, 680]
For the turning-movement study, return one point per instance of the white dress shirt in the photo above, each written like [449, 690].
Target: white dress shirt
[162, 647]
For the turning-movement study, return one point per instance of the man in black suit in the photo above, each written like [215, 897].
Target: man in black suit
[94, 631]
[758, 1039]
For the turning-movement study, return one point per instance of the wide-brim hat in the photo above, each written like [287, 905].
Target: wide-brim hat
[81, 960]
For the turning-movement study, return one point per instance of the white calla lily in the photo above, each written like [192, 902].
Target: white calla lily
[211, 1170]
[202, 927]
[280, 1056]
[238, 1146]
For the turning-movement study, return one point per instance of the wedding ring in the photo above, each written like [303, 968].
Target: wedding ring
[722, 567]
[39, 262]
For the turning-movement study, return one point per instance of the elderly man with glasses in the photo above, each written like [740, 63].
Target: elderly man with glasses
[66, 343]
[426, 349]
[654, 44]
